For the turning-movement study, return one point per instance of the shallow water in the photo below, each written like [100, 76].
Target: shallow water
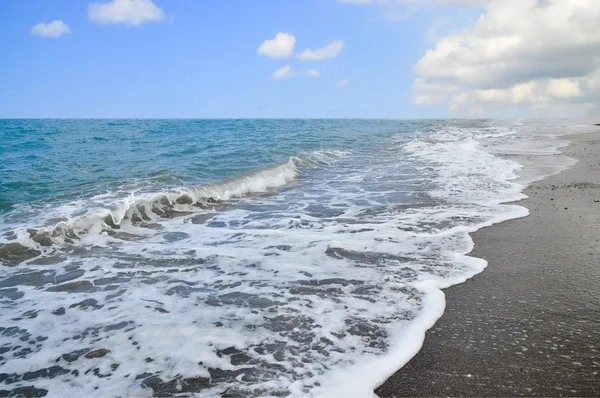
[242, 257]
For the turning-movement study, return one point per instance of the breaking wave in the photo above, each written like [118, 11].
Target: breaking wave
[145, 209]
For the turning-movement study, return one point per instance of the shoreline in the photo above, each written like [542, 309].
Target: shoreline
[529, 324]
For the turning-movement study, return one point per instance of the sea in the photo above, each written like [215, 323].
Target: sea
[209, 258]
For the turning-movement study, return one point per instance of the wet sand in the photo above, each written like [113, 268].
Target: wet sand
[529, 325]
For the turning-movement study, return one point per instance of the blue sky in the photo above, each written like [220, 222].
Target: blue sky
[396, 58]
[201, 60]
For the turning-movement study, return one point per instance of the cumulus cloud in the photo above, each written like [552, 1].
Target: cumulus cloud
[282, 46]
[532, 53]
[126, 12]
[331, 50]
[53, 29]
[426, 93]
[342, 84]
[533, 92]
[287, 71]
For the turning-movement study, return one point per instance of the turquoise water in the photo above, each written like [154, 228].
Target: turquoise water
[54, 160]
[242, 257]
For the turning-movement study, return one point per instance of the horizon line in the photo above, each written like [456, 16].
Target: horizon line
[293, 118]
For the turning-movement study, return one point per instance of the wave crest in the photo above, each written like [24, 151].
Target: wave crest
[139, 210]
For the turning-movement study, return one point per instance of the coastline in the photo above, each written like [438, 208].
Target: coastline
[529, 325]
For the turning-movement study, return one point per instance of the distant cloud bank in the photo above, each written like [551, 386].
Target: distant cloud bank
[538, 54]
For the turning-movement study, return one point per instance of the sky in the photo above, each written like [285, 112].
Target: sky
[299, 58]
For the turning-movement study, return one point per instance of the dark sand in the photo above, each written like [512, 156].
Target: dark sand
[529, 325]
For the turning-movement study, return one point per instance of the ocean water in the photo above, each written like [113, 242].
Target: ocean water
[243, 257]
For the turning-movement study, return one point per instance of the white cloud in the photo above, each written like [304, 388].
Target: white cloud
[535, 53]
[564, 88]
[126, 12]
[458, 101]
[282, 46]
[426, 93]
[530, 93]
[342, 84]
[287, 71]
[53, 29]
[423, 86]
[282, 73]
[428, 99]
[332, 50]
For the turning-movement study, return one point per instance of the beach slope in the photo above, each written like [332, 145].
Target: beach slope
[529, 325]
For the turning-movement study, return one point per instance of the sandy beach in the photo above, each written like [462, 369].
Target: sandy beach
[529, 325]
